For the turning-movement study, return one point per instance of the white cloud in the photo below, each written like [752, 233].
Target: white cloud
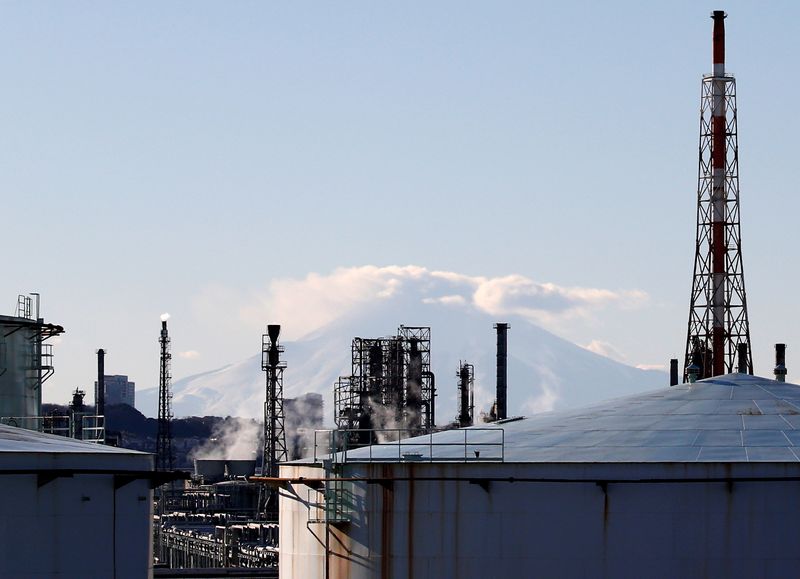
[189, 355]
[446, 300]
[605, 349]
[308, 303]
[661, 367]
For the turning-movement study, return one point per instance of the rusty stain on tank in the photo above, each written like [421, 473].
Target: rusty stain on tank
[410, 522]
[387, 508]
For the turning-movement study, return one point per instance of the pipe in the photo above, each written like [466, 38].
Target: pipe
[718, 195]
[316, 481]
[673, 372]
[502, 370]
[780, 362]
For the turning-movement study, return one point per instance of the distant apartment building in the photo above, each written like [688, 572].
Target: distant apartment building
[119, 390]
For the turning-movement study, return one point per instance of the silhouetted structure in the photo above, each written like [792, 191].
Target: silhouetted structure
[391, 385]
[718, 320]
[274, 450]
[164, 435]
[466, 405]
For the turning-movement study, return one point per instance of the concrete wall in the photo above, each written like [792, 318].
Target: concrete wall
[77, 527]
[571, 528]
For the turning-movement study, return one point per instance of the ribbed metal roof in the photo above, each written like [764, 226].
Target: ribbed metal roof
[731, 418]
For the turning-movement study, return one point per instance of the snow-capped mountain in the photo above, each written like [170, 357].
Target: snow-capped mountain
[544, 371]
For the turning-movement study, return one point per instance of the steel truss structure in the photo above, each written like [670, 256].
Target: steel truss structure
[390, 386]
[274, 449]
[164, 456]
[718, 320]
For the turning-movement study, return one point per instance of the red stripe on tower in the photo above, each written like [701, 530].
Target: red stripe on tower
[718, 196]
[718, 322]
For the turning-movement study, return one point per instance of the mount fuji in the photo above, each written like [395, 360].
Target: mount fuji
[545, 372]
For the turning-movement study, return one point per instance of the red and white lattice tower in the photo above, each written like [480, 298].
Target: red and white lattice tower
[718, 309]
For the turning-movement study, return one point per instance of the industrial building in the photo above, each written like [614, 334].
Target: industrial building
[119, 390]
[696, 480]
[391, 386]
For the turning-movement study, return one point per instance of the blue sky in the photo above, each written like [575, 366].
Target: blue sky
[180, 156]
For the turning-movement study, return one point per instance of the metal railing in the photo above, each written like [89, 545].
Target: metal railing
[89, 428]
[472, 445]
[333, 503]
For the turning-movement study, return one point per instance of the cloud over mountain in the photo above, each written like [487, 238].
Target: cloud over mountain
[321, 313]
[311, 302]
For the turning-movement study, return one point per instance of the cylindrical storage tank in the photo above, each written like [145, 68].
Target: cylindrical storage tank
[692, 481]
[211, 469]
[19, 370]
[240, 467]
[59, 492]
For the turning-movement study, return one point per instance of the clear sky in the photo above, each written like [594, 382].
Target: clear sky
[182, 156]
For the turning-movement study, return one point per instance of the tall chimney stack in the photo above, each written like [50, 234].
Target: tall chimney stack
[100, 388]
[718, 320]
[718, 197]
[502, 370]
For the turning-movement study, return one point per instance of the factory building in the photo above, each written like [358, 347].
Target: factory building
[118, 390]
[696, 480]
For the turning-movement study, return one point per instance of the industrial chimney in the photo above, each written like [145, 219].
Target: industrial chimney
[673, 372]
[718, 320]
[780, 362]
[502, 370]
[100, 388]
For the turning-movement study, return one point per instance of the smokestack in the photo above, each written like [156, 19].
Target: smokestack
[719, 41]
[273, 331]
[673, 372]
[742, 352]
[718, 196]
[100, 387]
[502, 370]
[780, 362]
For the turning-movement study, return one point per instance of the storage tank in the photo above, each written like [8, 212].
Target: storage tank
[73, 509]
[696, 480]
[25, 364]
[210, 469]
[240, 467]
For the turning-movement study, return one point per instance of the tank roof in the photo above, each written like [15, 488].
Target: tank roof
[27, 449]
[732, 418]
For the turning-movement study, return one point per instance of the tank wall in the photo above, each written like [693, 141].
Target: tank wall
[18, 396]
[75, 527]
[572, 530]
